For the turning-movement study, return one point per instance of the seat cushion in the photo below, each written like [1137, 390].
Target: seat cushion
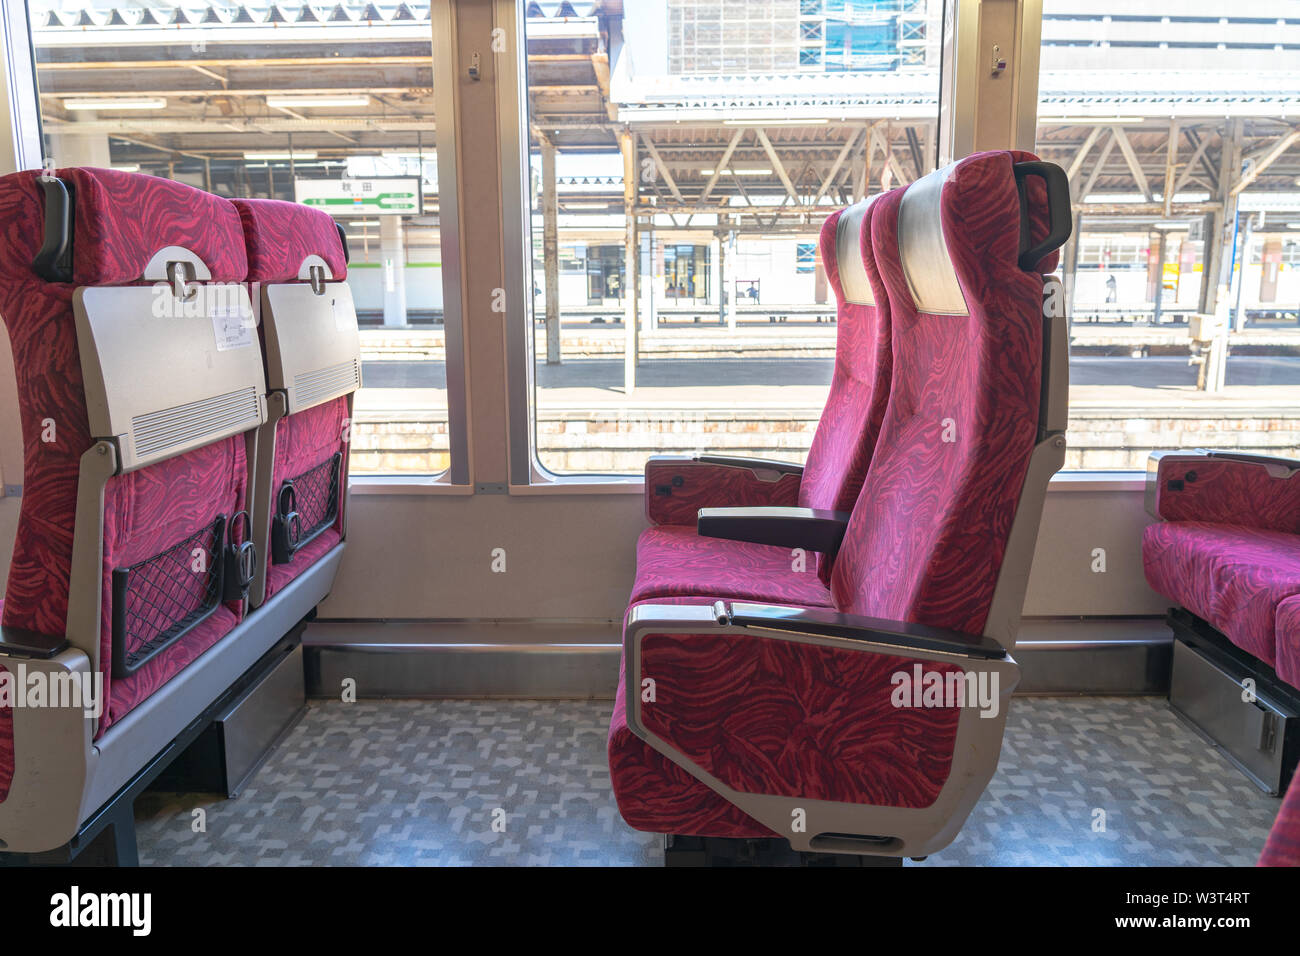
[1283, 846]
[1287, 630]
[1234, 577]
[674, 561]
[656, 795]
[775, 717]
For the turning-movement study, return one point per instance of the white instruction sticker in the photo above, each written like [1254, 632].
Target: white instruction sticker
[344, 318]
[232, 329]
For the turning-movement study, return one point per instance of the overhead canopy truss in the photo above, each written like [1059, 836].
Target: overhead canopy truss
[766, 152]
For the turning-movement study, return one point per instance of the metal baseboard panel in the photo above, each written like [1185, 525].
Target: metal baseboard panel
[579, 660]
[1252, 733]
[482, 659]
[1100, 656]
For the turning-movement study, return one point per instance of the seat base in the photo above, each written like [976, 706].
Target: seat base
[1262, 738]
[107, 838]
[770, 851]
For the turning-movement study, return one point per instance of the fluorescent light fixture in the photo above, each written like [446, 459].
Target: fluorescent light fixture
[303, 154]
[1090, 120]
[775, 122]
[291, 102]
[151, 103]
[128, 167]
[586, 205]
[740, 172]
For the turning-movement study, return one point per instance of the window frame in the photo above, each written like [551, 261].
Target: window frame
[24, 148]
[528, 476]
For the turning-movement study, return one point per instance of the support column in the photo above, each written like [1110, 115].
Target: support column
[1216, 277]
[1160, 278]
[1241, 254]
[392, 254]
[651, 283]
[1070, 267]
[551, 252]
[631, 263]
[726, 310]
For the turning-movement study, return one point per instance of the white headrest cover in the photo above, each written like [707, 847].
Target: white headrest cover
[923, 251]
[848, 255]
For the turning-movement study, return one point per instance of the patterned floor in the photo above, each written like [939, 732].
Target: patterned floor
[456, 782]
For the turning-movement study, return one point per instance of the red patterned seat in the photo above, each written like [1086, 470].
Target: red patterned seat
[309, 447]
[1283, 845]
[1287, 632]
[744, 720]
[676, 488]
[143, 599]
[675, 561]
[1227, 548]
[146, 510]
[1232, 576]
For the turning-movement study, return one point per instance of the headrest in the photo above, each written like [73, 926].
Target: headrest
[1004, 209]
[285, 239]
[923, 250]
[848, 255]
[121, 221]
[840, 248]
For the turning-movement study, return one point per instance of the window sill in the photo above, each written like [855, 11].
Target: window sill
[405, 485]
[1065, 482]
[1070, 481]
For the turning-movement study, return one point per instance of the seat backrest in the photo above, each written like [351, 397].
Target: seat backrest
[855, 404]
[931, 526]
[131, 336]
[297, 263]
[850, 421]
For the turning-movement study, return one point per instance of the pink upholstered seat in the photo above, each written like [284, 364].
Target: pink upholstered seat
[924, 544]
[1287, 632]
[837, 463]
[1232, 576]
[1283, 845]
[280, 236]
[121, 220]
[674, 561]
[1227, 548]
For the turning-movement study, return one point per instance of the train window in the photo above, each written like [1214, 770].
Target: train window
[330, 108]
[1181, 280]
[713, 139]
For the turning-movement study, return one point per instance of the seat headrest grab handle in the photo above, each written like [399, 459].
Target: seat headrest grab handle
[53, 262]
[1060, 215]
[343, 240]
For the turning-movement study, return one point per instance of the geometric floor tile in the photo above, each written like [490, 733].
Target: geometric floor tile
[1082, 781]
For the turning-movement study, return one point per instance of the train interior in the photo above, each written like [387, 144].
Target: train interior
[650, 433]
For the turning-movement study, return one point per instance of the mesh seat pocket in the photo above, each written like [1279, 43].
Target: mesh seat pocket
[157, 601]
[304, 507]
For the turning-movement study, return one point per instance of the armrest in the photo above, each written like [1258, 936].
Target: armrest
[807, 528]
[20, 642]
[826, 622]
[755, 464]
[1257, 491]
[815, 622]
[1286, 464]
[677, 487]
